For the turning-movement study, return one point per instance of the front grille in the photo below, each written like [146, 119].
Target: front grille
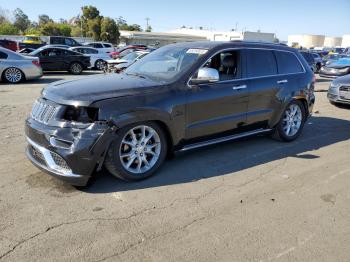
[43, 111]
[344, 88]
[60, 162]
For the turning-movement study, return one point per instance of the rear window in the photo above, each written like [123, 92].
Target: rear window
[261, 63]
[308, 57]
[3, 55]
[107, 45]
[288, 63]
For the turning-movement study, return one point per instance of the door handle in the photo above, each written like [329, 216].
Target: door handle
[282, 81]
[239, 87]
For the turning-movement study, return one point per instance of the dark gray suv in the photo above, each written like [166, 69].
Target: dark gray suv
[177, 98]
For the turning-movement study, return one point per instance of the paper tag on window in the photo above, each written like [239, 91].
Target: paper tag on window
[196, 51]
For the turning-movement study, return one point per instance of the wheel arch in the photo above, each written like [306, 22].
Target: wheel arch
[4, 70]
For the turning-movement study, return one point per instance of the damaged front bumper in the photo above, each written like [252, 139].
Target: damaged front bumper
[68, 153]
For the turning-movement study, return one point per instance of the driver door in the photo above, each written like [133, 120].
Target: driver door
[221, 106]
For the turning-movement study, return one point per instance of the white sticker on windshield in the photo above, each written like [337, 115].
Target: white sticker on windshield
[196, 51]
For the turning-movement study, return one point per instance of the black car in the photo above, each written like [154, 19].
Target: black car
[61, 59]
[179, 97]
[310, 60]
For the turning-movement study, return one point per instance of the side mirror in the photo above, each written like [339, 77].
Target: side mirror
[206, 75]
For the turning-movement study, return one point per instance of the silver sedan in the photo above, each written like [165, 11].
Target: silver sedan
[15, 67]
[339, 91]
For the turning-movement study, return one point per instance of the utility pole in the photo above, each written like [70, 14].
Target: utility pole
[147, 22]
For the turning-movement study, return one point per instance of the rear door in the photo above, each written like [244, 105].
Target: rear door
[263, 83]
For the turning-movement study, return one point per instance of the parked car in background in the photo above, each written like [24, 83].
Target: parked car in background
[120, 52]
[9, 44]
[15, 68]
[318, 60]
[337, 68]
[339, 90]
[309, 59]
[60, 59]
[57, 45]
[32, 39]
[177, 98]
[105, 47]
[98, 57]
[119, 65]
[53, 40]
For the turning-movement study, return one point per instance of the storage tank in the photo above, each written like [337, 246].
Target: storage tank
[346, 41]
[332, 41]
[306, 41]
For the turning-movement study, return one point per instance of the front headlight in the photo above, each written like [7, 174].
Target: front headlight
[81, 114]
[334, 85]
[343, 70]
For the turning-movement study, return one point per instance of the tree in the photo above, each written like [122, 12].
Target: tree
[149, 29]
[44, 19]
[4, 16]
[22, 21]
[90, 12]
[64, 29]
[8, 29]
[109, 30]
[91, 15]
[94, 29]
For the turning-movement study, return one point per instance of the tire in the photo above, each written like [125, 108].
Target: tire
[295, 122]
[318, 67]
[100, 64]
[13, 75]
[75, 68]
[154, 151]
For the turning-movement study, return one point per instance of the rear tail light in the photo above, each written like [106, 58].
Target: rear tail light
[36, 62]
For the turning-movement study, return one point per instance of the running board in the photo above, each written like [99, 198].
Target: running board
[224, 139]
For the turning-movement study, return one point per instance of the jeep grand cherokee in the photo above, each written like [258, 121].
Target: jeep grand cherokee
[179, 97]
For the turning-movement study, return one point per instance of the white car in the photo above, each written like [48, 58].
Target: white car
[118, 65]
[98, 58]
[105, 47]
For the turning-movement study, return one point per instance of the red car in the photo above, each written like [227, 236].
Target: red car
[9, 44]
[117, 53]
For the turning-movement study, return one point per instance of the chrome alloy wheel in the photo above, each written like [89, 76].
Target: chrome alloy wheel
[140, 149]
[100, 64]
[292, 120]
[13, 75]
[76, 68]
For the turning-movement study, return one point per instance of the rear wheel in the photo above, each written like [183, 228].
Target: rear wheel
[292, 122]
[13, 75]
[137, 152]
[76, 68]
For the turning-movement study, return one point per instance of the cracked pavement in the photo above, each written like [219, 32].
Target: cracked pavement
[251, 200]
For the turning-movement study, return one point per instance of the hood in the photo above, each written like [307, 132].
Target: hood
[84, 91]
[340, 63]
[343, 80]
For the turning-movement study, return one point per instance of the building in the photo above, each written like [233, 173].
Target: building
[332, 41]
[155, 39]
[213, 35]
[345, 41]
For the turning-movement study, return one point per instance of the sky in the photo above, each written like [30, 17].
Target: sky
[282, 17]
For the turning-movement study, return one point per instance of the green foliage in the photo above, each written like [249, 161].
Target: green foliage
[33, 31]
[109, 30]
[149, 29]
[8, 29]
[76, 31]
[94, 28]
[22, 21]
[55, 29]
[44, 19]
[90, 12]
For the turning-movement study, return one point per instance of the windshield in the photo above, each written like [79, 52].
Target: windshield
[166, 63]
[131, 57]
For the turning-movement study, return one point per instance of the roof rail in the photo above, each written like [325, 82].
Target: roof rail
[257, 42]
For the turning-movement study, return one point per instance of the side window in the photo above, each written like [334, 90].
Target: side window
[68, 41]
[261, 63]
[288, 63]
[107, 45]
[93, 51]
[3, 55]
[227, 63]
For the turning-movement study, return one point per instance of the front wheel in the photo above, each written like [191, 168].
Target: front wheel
[100, 64]
[76, 68]
[292, 122]
[137, 152]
